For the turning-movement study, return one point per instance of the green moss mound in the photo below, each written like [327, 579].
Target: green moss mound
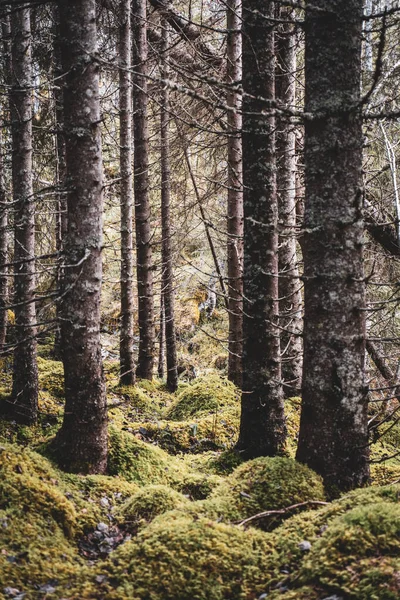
[38, 523]
[179, 558]
[265, 484]
[359, 554]
[148, 503]
[207, 394]
[51, 377]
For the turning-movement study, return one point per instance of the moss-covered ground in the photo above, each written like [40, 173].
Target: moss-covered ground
[173, 518]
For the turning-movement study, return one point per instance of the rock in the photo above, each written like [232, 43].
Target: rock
[305, 546]
[105, 503]
[11, 592]
[103, 527]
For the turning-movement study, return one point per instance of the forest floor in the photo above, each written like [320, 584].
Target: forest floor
[172, 520]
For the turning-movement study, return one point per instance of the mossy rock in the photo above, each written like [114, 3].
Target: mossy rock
[180, 558]
[197, 486]
[265, 484]
[358, 554]
[209, 393]
[148, 503]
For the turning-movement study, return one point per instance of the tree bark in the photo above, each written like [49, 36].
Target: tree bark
[141, 192]
[24, 404]
[333, 436]
[262, 426]
[166, 250]
[290, 301]
[4, 237]
[161, 338]
[81, 443]
[61, 215]
[127, 365]
[235, 193]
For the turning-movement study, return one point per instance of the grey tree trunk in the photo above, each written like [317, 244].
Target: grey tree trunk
[25, 375]
[333, 429]
[61, 216]
[127, 365]
[290, 300]
[81, 443]
[262, 426]
[4, 236]
[166, 250]
[161, 339]
[235, 193]
[145, 362]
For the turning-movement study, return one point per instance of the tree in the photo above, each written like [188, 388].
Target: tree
[81, 443]
[235, 192]
[144, 267]
[333, 436]
[24, 400]
[127, 366]
[167, 280]
[262, 425]
[290, 301]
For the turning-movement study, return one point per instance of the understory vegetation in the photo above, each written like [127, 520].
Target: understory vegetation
[173, 519]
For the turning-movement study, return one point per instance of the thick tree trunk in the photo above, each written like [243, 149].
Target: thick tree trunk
[25, 375]
[141, 188]
[81, 443]
[61, 173]
[235, 193]
[333, 430]
[127, 365]
[166, 250]
[262, 427]
[290, 301]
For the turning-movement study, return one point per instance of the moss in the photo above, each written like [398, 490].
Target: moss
[38, 523]
[198, 485]
[139, 462]
[358, 554]
[148, 503]
[204, 432]
[209, 393]
[51, 377]
[180, 558]
[265, 484]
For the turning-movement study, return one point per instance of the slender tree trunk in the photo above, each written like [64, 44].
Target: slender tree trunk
[4, 235]
[25, 375]
[127, 365]
[333, 429]
[141, 188]
[61, 214]
[167, 258]
[81, 443]
[262, 426]
[161, 337]
[235, 193]
[290, 301]
[3, 250]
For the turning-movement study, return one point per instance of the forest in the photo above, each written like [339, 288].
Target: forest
[199, 300]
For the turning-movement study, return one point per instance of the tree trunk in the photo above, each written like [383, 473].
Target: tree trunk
[262, 426]
[141, 188]
[166, 250]
[161, 338]
[61, 214]
[81, 443]
[127, 365]
[4, 237]
[25, 375]
[333, 429]
[290, 301]
[235, 193]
